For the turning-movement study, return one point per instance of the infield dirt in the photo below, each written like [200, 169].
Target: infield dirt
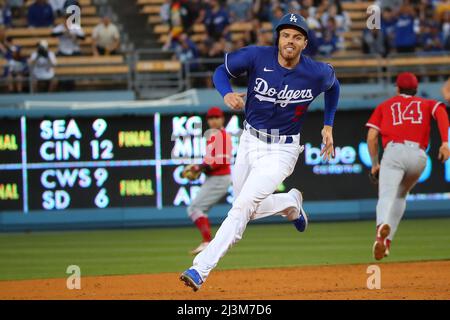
[415, 280]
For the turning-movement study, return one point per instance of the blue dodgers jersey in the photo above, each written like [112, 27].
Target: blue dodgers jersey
[278, 98]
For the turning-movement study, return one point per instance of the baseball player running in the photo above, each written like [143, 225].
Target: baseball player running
[216, 166]
[282, 84]
[404, 124]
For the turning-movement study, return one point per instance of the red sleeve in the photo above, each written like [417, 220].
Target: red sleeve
[218, 150]
[440, 114]
[375, 119]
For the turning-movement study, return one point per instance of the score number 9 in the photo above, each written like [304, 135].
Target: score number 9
[101, 149]
[101, 199]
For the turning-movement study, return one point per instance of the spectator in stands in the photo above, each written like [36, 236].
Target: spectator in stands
[57, 7]
[375, 42]
[217, 21]
[164, 11]
[291, 6]
[16, 70]
[308, 5]
[40, 14]
[240, 10]
[185, 50]
[425, 10]
[327, 43]
[388, 22]
[69, 36]
[405, 36]
[262, 10]
[309, 15]
[433, 40]
[393, 5]
[446, 29]
[5, 44]
[277, 14]
[322, 8]
[5, 14]
[176, 15]
[442, 7]
[105, 38]
[16, 7]
[195, 14]
[343, 21]
[42, 64]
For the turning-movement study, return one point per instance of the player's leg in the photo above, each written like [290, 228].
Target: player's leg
[212, 190]
[415, 160]
[275, 205]
[242, 164]
[392, 171]
[259, 184]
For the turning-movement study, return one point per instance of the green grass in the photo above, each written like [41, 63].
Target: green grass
[47, 255]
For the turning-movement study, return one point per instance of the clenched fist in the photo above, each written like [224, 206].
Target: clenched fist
[444, 152]
[234, 100]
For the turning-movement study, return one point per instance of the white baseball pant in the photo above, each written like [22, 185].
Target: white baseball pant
[400, 169]
[259, 169]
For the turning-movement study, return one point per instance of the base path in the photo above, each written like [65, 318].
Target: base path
[417, 280]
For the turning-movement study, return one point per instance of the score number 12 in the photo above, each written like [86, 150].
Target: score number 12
[101, 149]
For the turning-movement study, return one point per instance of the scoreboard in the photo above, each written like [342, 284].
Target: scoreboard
[55, 164]
[63, 163]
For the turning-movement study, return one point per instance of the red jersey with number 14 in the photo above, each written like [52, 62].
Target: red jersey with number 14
[403, 118]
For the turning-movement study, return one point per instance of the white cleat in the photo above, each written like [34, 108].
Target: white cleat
[298, 215]
[202, 246]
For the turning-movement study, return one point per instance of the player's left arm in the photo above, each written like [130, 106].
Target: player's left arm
[440, 114]
[446, 90]
[331, 103]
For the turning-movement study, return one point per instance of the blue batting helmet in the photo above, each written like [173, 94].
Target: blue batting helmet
[291, 20]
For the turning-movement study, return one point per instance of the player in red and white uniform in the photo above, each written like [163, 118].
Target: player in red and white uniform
[216, 166]
[404, 123]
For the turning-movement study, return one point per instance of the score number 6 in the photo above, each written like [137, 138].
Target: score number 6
[101, 199]
[104, 146]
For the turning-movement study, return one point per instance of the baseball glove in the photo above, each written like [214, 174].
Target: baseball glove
[191, 172]
[374, 177]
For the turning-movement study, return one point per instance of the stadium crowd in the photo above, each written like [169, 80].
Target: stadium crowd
[406, 25]
[48, 14]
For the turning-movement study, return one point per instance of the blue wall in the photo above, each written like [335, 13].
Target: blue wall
[152, 217]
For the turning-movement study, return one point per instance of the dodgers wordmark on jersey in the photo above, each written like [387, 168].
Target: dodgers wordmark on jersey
[278, 98]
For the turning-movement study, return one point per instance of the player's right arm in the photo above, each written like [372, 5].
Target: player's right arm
[374, 125]
[372, 144]
[440, 114]
[236, 63]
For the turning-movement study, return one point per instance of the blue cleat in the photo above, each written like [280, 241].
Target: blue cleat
[301, 222]
[191, 278]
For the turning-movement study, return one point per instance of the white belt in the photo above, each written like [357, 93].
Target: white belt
[270, 138]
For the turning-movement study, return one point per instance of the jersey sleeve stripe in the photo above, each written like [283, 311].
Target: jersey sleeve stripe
[435, 108]
[373, 126]
[334, 80]
[226, 66]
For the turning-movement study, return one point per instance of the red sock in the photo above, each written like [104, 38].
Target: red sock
[203, 225]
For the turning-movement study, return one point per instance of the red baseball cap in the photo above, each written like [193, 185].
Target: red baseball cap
[214, 112]
[407, 80]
